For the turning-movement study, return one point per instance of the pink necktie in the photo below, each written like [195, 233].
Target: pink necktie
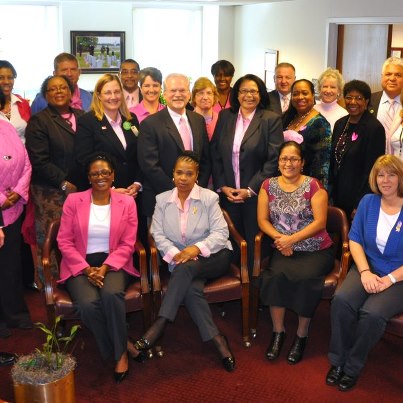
[185, 134]
[390, 114]
[285, 103]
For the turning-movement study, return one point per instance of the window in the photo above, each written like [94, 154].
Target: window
[29, 40]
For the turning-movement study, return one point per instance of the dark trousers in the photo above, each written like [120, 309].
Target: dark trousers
[13, 310]
[244, 217]
[103, 310]
[358, 321]
[186, 286]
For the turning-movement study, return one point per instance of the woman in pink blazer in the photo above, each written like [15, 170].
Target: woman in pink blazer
[96, 238]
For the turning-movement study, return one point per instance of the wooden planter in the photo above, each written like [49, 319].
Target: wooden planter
[60, 391]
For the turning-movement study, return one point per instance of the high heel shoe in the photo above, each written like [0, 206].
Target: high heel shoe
[228, 362]
[277, 340]
[141, 356]
[142, 344]
[297, 350]
[120, 376]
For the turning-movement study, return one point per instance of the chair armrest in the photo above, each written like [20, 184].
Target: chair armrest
[257, 263]
[236, 236]
[140, 250]
[155, 270]
[346, 262]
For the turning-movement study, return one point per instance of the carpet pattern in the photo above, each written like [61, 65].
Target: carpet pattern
[191, 371]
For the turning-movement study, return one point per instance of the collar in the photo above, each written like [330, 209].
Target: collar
[131, 94]
[248, 118]
[385, 98]
[194, 194]
[176, 116]
[118, 121]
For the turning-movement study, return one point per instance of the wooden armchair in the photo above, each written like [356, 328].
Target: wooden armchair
[337, 226]
[58, 301]
[234, 285]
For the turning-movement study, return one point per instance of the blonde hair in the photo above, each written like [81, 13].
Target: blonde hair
[331, 73]
[201, 84]
[96, 104]
[391, 164]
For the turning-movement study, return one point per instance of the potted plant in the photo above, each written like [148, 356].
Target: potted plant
[46, 375]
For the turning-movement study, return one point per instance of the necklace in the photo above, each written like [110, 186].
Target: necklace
[400, 142]
[225, 103]
[341, 144]
[107, 214]
[293, 126]
[7, 111]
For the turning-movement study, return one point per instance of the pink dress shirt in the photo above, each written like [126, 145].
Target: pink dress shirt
[141, 112]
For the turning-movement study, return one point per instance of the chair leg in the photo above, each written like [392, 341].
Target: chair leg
[245, 315]
[254, 310]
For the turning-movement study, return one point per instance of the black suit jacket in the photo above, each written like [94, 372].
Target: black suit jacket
[374, 103]
[1, 219]
[258, 153]
[94, 135]
[275, 104]
[159, 146]
[349, 182]
[50, 146]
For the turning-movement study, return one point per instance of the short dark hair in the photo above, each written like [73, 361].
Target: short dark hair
[189, 156]
[292, 143]
[100, 156]
[224, 65]
[44, 86]
[154, 73]
[130, 61]
[264, 97]
[63, 57]
[291, 112]
[357, 85]
[5, 64]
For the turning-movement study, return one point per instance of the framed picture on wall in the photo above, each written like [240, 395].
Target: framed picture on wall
[98, 51]
[270, 63]
[396, 52]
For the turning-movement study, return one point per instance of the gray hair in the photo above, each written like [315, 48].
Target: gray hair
[176, 75]
[331, 73]
[395, 61]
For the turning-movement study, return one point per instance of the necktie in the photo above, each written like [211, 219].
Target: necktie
[389, 116]
[185, 134]
[285, 104]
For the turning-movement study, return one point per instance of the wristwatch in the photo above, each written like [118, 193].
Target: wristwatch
[64, 186]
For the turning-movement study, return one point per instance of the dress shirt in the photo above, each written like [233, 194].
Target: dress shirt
[132, 98]
[242, 125]
[384, 105]
[117, 128]
[183, 218]
[176, 117]
[141, 112]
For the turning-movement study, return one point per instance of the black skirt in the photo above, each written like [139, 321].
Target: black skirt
[295, 282]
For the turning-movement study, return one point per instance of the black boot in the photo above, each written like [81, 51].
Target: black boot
[297, 350]
[277, 340]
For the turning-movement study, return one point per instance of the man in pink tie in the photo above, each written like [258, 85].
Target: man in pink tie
[165, 135]
[129, 76]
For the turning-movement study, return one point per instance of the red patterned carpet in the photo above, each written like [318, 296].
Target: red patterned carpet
[190, 371]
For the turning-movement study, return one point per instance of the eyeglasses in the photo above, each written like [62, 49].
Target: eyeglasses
[127, 72]
[110, 93]
[60, 88]
[350, 98]
[103, 173]
[245, 91]
[201, 94]
[181, 91]
[293, 160]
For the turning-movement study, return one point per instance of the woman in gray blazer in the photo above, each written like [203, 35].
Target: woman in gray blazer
[192, 236]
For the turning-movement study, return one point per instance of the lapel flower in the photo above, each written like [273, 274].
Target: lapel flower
[134, 130]
[398, 226]
[127, 125]
[354, 136]
[302, 128]
[194, 210]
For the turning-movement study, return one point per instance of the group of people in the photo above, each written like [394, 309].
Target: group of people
[145, 153]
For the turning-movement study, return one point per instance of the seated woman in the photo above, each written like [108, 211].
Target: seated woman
[292, 210]
[96, 238]
[372, 292]
[192, 236]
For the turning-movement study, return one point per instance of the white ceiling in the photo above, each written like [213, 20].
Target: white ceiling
[166, 2]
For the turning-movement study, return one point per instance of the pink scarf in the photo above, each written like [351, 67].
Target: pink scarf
[76, 100]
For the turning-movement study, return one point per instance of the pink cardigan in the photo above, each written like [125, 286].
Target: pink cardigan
[73, 234]
[15, 170]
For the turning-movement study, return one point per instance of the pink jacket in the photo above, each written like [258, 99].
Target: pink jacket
[73, 234]
[15, 170]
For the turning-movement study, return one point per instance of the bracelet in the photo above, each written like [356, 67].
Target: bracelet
[363, 271]
[392, 278]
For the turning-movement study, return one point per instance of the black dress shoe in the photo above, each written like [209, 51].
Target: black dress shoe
[334, 375]
[347, 382]
[277, 340]
[4, 333]
[228, 362]
[6, 359]
[297, 350]
[120, 376]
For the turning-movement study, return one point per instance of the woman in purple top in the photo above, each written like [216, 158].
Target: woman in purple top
[150, 80]
[292, 210]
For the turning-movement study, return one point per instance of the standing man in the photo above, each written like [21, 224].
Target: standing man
[129, 76]
[284, 77]
[165, 135]
[386, 105]
[66, 64]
